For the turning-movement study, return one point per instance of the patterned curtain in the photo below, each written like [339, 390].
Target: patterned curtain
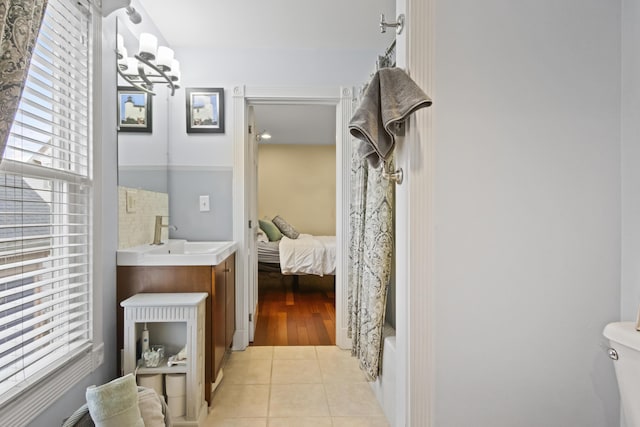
[20, 22]
[370, 260]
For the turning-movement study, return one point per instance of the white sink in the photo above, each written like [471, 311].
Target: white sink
[177, 252]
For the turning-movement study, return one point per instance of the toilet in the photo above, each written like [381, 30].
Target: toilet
[624, 349]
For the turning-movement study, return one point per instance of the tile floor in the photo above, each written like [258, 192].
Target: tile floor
[294, 387]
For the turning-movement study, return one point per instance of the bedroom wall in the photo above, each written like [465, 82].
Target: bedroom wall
[298, 182]
[526, 122]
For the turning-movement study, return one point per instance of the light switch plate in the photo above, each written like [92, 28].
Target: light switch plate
[131, 201]
[204, 203]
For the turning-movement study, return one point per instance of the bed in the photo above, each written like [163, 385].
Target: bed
[307, 254]
[282, 249]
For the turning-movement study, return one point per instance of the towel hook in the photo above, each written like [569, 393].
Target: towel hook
[387, 174]
[398, 25]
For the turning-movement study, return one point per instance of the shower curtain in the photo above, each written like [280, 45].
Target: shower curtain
[370, 260]
[20, 22]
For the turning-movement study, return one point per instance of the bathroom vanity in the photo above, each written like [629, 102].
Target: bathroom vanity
[180, 266]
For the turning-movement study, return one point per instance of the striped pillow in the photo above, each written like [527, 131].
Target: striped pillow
[285, 228]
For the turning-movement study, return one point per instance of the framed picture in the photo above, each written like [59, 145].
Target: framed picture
[205, 110]
[134, 110]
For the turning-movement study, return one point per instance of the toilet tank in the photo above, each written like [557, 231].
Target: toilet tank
[625, 340]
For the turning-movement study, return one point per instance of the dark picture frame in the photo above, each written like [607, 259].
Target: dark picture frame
[135, 113]
[205, 110]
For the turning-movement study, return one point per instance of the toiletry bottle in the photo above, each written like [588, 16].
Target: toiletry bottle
[145, 339]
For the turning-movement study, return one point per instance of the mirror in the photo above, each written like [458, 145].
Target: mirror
[143, 146]
[142, 151]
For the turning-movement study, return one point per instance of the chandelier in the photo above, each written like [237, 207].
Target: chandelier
[151, 65]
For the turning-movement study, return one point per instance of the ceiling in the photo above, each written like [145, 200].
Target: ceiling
[279, 24]
[297, 124]
[276, 24]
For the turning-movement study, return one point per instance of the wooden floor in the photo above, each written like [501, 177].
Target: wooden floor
[302, 316]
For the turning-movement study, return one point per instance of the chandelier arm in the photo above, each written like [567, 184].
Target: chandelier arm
[134, 84]
[158, 70]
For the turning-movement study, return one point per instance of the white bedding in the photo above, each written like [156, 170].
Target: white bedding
[308, 255]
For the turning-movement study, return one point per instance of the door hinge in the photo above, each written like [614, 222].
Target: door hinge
[249, 128]
[250, 224]
[250, 317]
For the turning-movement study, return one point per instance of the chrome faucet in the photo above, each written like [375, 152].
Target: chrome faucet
[158, 230]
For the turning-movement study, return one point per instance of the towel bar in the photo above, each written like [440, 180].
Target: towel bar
[398, 25]
[395, 176]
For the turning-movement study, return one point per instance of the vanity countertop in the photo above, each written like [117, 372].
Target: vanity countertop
[176, 252]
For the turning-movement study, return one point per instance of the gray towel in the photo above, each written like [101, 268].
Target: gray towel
[389, 99]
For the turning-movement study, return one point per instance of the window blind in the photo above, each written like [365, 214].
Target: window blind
[45, 206]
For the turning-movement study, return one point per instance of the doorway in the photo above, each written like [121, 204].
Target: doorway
[296, 183]
[245, 213]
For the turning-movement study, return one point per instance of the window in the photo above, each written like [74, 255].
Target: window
[45, 207]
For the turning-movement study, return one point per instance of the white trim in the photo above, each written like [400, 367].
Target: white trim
[240, 218]
[344, 112]
[243, 97]
[20, 411]
[414, 228]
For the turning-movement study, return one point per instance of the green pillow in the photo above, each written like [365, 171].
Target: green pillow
[270, 230]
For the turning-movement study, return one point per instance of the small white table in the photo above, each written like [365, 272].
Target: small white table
[187, 308]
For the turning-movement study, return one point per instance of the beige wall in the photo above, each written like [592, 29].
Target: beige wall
[298, 182]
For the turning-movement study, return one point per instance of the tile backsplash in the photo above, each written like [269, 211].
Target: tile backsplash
[137, 210]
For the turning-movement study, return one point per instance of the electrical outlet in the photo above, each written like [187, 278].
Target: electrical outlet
[204, 203]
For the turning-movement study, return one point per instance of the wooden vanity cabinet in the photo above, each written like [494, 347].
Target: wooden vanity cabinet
[231, 300]
[219, 317]
[224, 322]
[217, 281]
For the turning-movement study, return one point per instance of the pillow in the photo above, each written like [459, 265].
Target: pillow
[115, 404]
[262, 236]
[270, 230]
[285, 227]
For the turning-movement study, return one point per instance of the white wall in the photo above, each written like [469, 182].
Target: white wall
[228, 68]
[527, 202]
[252, 67]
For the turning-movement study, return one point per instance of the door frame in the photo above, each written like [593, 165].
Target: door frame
[244, 231]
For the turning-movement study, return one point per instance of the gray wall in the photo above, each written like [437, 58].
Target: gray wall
[630, 159]
[526, 120]
[156, 179]
[185, 188]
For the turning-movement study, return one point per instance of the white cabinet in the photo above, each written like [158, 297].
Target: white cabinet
[184, 315]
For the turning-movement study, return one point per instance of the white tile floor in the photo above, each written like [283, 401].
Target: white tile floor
[294, 387]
